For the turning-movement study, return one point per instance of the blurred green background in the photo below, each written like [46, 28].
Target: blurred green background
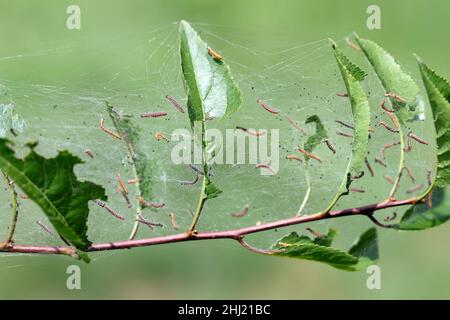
[126, 51]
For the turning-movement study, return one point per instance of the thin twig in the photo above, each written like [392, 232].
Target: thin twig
[14, 209]
[235, 234]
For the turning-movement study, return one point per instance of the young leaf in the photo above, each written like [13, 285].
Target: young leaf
[361, 120]
[53, 186]
[10, 120]
[421, 216]
[211, 89]
[395, 81]
[142, 166]
[438, 90]
[315, 139]
[364, 252]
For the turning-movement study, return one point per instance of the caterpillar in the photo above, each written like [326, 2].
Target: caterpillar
[310, 155]
[369, 167]
[395, 97]
[410, 174]
[414, 188]
[190, 183]
[175, 103]
[388, 146]
[149, 224]
[293, 157]
[111, 133]
[150, 204]
[345, 124]
[172, 220]
[416, 138]
[389, 179]
[295, 124]
[44, 227]
[342, 95]
[241, 214]
[214, 54]
[250, 132]
[125, 196]
[359, 176]
[266, 107]
[383, 106]
[329, 145]
[384, 124]
[161, 136]
[358, 190]
[122, 185]
[108, 209]
[89, 153]
[133, 181]
[391, 218]
[347, 135]
[154, 114]
[349, 42]
[265, 166]
[380, 162]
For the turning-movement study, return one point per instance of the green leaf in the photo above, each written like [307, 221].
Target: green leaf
[211, 190]
[421, 216]
[438, 90]
[143, 167]
[361, 119]
[357, 73]
[210, 87]
[363, 253]
[53, 186]
[10, 120]
[314, 140]
[395, 81]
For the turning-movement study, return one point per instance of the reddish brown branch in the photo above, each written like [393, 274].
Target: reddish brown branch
[235, 234]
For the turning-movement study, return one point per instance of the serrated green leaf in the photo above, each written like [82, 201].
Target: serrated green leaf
[438, 90]
[364, 252]
[53, 186]
[421, 216]
[357, 73]
[395, 81]
[361, 119]
[315, 139]
[211, 89]
[10, 120]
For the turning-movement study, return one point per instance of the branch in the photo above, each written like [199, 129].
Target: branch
[235, 234]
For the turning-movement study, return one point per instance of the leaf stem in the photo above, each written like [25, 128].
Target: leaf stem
[401, 164]
[14, 209]
[308, 192]
[201, 204]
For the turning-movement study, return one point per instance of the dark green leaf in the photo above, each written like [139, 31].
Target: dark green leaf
[438, 90]
[421, 216]
[321, 133]
[211, 89]
[363, 253]
[211, 190]
[10, 120]
[53, 186]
